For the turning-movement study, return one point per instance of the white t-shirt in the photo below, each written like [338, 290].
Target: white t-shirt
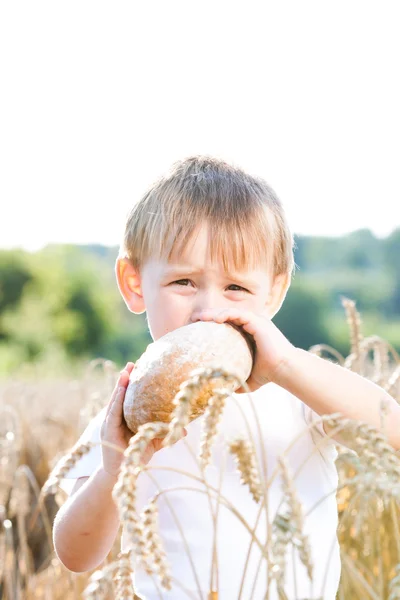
[282, 418]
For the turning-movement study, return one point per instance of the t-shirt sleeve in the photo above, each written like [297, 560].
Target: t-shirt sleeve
[310, 417]
[90, 461]
[327, 449]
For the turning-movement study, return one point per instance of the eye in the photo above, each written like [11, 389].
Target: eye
[183, 282]
[239, 288]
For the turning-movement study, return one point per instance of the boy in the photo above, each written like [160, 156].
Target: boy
[211, 242]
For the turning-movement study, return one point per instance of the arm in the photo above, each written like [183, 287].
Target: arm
[87, 524]
[328, 388]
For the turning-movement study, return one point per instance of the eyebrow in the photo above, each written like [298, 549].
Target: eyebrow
[180, 270]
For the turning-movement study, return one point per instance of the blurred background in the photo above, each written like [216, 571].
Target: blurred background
[98, 99]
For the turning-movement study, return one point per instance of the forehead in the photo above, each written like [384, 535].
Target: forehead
[219, 248]
[197, 258]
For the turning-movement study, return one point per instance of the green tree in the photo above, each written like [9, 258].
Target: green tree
[391, 246]
[65, 307]
[301, 317]
[15, 274]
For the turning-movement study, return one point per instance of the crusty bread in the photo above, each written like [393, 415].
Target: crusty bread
[168, 362]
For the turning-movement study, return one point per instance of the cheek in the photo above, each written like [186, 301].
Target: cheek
[258, 304]
[165, 314]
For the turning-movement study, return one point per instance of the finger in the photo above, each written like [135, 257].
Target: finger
[113, 395]
[206, 314]
[122, 381]
[114, 416]
[217, 314]
[244, 319]
[129, 367]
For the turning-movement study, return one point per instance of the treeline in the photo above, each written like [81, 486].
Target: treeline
[60, 306]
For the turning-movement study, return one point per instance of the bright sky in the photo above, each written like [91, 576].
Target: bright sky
[99, 98]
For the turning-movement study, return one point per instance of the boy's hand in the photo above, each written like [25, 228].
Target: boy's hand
[272, 347]
[115, 430]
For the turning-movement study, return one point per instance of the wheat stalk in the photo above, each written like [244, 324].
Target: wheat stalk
[381, 363]
[10, 448]
[101, 583]
[124, 493]
[212, 417]
[246, 464]
[371, 478]
[158, 561]
[19, 506]
[123, 577]
[64, 466]
[288, 528]
[186, 395]
[354, 322]
[9, 560]
[319, 349]
[393, 380]
[3, 548]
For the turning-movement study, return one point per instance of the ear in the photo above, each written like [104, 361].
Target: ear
[129, 284]
[277, 294]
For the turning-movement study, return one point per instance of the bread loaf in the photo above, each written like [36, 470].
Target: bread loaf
[168, 362]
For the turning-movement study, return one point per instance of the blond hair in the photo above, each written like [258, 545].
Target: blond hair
[246, 220]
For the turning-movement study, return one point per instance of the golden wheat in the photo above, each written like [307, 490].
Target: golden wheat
[31, 469]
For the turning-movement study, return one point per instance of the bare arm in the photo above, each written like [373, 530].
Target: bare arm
[87, 524]
[328, 388]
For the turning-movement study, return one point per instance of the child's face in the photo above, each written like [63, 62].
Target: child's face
[173, 291]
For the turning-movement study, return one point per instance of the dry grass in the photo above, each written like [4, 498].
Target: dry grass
[36, 432]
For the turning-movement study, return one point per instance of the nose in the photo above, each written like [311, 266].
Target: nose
[208, 299]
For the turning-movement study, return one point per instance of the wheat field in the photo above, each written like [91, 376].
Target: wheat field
[42, 419]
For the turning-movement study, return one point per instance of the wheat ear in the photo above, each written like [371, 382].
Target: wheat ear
[290, 526]
[246, 464]
[123, 577]
[212, 417]
[124, 492]
[65, 465]
[101, 584]
[187, 393]
[158, 560]
[354, 322]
